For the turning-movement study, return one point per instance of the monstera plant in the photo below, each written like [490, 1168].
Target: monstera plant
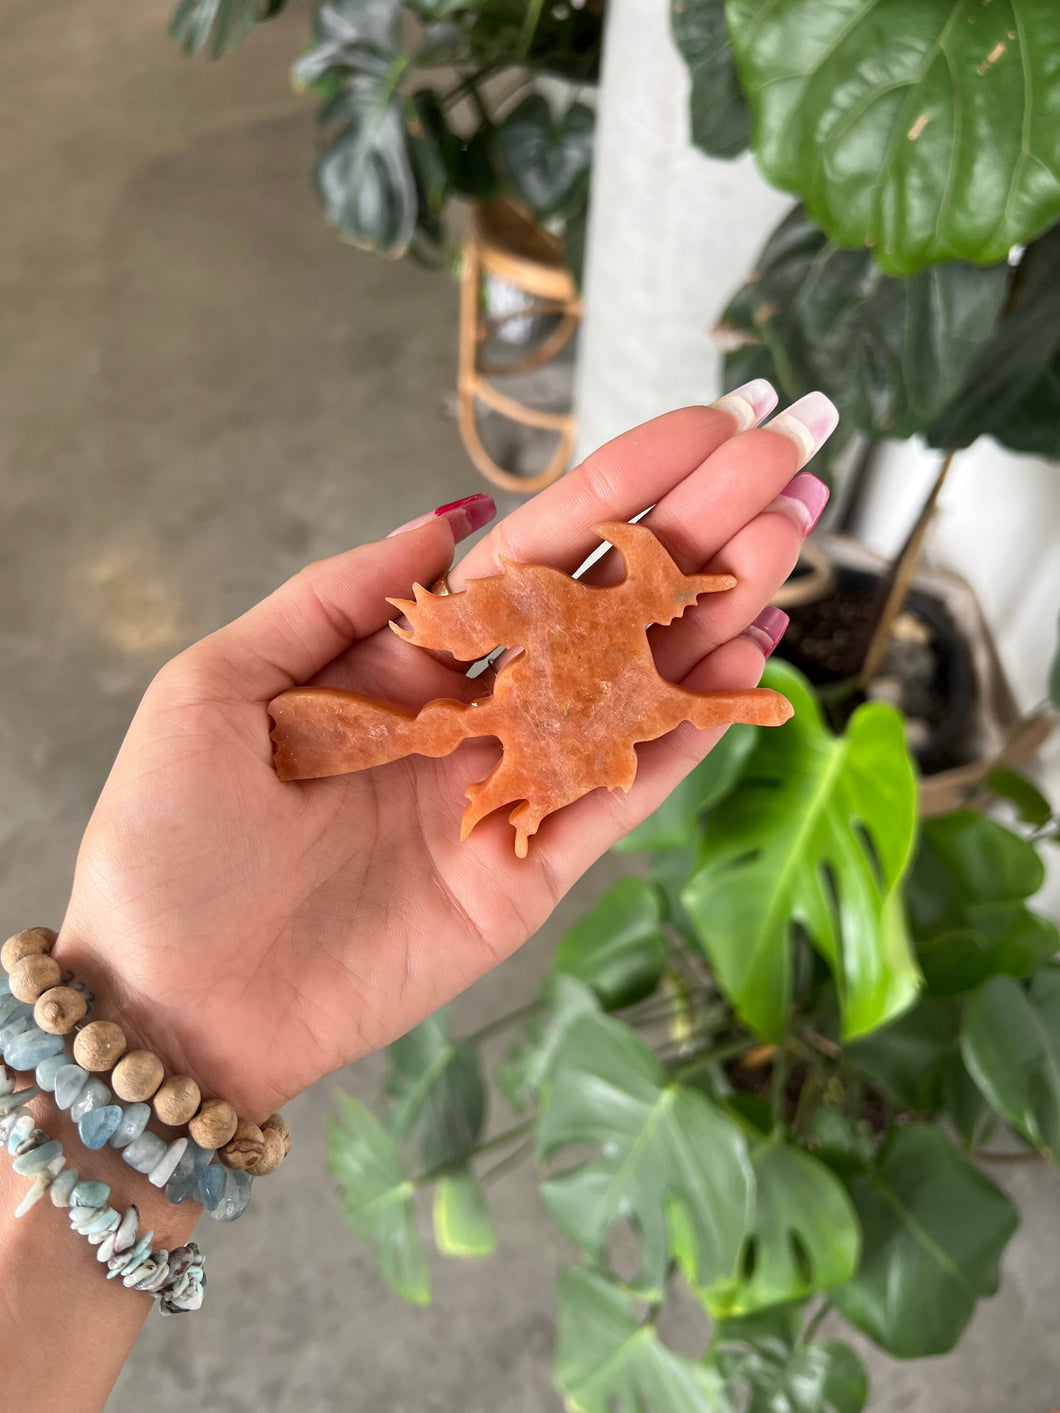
[774, 1056]
[427, 99]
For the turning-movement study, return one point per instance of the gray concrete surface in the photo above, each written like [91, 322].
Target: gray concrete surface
[199, 390]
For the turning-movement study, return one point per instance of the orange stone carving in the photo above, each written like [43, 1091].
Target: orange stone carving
[568, 708]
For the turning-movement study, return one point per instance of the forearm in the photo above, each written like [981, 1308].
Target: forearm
[65, 1329]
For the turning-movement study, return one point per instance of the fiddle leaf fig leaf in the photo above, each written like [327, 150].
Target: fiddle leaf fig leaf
[966, 897]
[804, 1234]
[617, 948]
[462, 1222]
[228, 22]
[674, 825]
[606, 1359]
[379, 1206]
[363, 176]
[547, 159]
[891, 352]
[943, 146]
[818, 835]
[526, 1067]
[663, 1146]
[1010, 1039]
[437, 1082]
[721, 119]
[933, 1230]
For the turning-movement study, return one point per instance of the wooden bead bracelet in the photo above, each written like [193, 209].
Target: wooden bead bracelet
[61, 1006]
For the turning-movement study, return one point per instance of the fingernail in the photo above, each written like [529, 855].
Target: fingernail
[767, 629]
[749, 403]
[809, 423]
[464, 516]
[803, 499]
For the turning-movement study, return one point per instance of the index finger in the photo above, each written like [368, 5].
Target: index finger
[616, 482]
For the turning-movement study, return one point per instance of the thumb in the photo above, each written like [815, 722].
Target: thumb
[295, 632]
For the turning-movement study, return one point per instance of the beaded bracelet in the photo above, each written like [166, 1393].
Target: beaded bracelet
[176, 1279]
[61, 1005]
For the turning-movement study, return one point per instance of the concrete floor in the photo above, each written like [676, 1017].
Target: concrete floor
[200, 389]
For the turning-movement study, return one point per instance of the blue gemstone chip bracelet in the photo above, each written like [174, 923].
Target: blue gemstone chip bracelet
[39, 1007]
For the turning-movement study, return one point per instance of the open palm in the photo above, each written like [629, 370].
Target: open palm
[260, 934]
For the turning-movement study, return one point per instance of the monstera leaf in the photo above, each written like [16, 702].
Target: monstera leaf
[925, 130]
[527, 1065]
[617, 948]
[436, 1082]
[804, 1234]
[891, 352]
[662, 1146]
[606, 1359]
[354, 36]
[966, 896]
[1011, 391]
[363, 176]
[674, 825]
[818, 836]
[721, 119]
[228, 22]
[547, 158]
[910, 1059]
[462, 1222]
[363, 1158]
[783, 1376]
[1011, 1044]
[933, 1228]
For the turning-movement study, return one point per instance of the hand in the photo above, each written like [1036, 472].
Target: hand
[258, 934]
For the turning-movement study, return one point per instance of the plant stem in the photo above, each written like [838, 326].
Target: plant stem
[814, 1323]
[710, 1057]
[498, 1142]
[896, 586]
[465, 85]
[503, 1022]
[507, 1163]
[530, 24]
[779, 1086]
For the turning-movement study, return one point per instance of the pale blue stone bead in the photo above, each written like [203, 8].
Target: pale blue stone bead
[26, 1051]
[69, 1083]
[161, 1278]
[144, 1152]
[211, 1186]
[63, 1186]
[10, 1102]
[164, 1168]
[106, 1246]
[40, 1186]
[48, 1069]
[106, 1220]
[32, 1138]
[8, 1122]
[128, 1261]
[12, 1007]
[125, 1236]
[81, 1216]
[33, 1162]
[186, 1174]
[20, 1131]
[234, 1198]
[7, 1080]
[90, 1193]
[99, 1124]
[10, 1033]
[95, 1095]
[144, 1273]
[133, 1123]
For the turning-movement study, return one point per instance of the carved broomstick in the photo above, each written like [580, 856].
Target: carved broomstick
[568, 708]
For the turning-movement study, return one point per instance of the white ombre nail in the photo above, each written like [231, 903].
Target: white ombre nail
[749, 403]
[808, 423]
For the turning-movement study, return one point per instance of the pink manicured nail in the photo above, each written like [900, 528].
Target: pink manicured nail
[464, 516]
[767, 629]
[803, 499]
[750, 402]
[809, 423]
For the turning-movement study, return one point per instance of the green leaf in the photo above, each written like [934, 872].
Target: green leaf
[363, 176]
[547, 159]
[607, 1359]
[674, 825]
[964, 1105]
[933, 1230]
[617, 948]
[526, 1067]
[378, 1200]
[721, 119]
[891, 352]
[1011, 1044]
[662, 1146]
[1031, 805]
[804, 1233]
[228, 21]
[782, 1378]
[818, 835]
[575, 239]
[433, 150]
[909, 1059]
[1011, 391]
[462, 1222]
[436, 1081]
[965, 895]
[351, 36]
[928, 130]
